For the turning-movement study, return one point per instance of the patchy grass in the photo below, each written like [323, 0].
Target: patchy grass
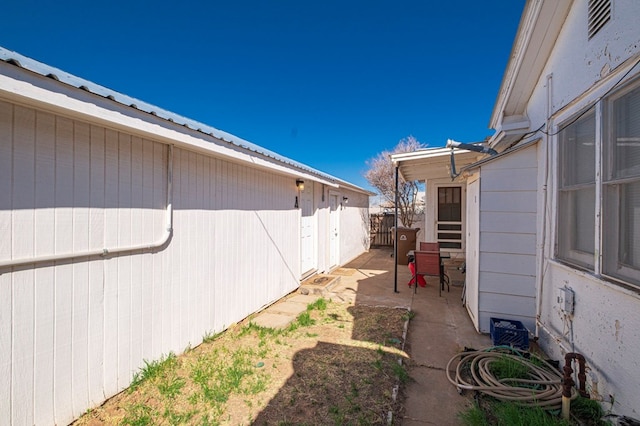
[488, 412]
[336, 363]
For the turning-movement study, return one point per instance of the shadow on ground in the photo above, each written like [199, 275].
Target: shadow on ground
[350, 383]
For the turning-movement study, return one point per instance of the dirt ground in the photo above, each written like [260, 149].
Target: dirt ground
[337, 364]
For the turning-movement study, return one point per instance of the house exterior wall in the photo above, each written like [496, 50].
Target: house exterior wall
[354, 226]
[74, 332]
[322, 211]
[506, 250]
[606, 322]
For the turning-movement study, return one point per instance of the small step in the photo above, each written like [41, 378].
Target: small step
[320, 284]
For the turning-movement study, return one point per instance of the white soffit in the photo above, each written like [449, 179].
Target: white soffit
[433, 163]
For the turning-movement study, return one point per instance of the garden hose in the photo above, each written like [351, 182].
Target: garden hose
[542, 388]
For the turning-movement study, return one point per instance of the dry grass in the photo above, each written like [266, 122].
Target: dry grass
[337, 364]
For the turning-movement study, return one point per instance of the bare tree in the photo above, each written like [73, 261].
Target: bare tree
[381, 175]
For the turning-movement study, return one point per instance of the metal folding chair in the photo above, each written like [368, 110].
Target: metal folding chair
[435, 246]
[426, 263]
[427, 246]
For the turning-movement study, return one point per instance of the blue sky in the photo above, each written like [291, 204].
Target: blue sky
[328, 83]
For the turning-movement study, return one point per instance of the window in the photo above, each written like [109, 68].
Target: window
[577, 191]
[621, 187]
[584, 197]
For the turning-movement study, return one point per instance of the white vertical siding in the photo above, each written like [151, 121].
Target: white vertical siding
[23, 283]
[507, 250]
[6, 301]
[44, 277]
[74, 332]
[95, 283]
[472, 248]
[354, 226]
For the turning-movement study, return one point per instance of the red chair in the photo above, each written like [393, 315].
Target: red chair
[435, 246]
[426, 246]
[426, 263]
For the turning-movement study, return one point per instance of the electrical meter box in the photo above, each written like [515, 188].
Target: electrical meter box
[566, 299]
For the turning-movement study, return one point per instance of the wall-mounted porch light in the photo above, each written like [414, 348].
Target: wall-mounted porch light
[345, 200]
[300, 184]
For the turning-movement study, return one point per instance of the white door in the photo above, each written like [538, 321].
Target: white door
[449, 218]
[307, 230]
[473, 246]
[334, 221]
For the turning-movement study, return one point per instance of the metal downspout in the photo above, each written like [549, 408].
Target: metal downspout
[395, 238]
[166, 234]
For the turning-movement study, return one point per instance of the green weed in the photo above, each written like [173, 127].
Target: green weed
[210, 337]
[409, 315]
[504, 413]
[337, 415]
[587, 409]
[171, 387]
[153, 370]
[138, 415]
[473, 416]
[320, 305]
[507, 367]
[305, 320]
[400, 372]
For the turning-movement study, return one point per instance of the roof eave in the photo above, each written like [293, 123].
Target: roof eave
[539, 27]
[431, 163]
[28, 81]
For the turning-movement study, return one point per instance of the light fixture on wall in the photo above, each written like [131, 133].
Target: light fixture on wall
[300, 184]
[345, 200]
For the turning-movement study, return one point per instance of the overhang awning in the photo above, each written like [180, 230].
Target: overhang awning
[432, 163]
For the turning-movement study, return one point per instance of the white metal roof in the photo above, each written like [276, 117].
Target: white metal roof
[56, 74]
[432, 163]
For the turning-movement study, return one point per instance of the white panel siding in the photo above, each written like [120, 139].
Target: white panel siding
[517, 202]
[63, 296]
[95, 280]
[23, 282]
[515, 243]
[74, 332]
[515, 264]
[507, 267]
[44, 277]
[6, 301]
[110, 265]
[518, 222]
[354, 226]
[515, 284]
[509, 179]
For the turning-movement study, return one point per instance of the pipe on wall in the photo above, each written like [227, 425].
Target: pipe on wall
[543, 236]
[164, 238]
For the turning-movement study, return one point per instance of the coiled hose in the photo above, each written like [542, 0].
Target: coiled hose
[542, 388]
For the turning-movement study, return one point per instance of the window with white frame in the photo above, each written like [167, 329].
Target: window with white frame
[613, 197]
[577, 191]
[621, 186]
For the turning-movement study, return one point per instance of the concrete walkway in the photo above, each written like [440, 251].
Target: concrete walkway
[440, 328]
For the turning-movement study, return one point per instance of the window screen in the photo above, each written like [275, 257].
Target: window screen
[576, 197]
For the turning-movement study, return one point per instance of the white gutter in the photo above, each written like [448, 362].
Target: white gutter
[164, 238]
